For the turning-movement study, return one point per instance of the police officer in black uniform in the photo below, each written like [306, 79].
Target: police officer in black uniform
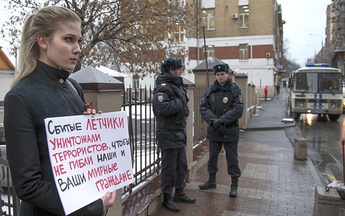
[221, 108]
[171, 110]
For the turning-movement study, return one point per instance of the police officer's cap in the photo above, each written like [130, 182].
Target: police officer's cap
[172, 64]
[221, 68]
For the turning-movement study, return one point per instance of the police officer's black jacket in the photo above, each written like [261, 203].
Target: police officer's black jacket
[226, 103]
[171, 110]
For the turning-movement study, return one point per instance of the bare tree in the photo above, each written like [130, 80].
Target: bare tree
[288, 63]
[137, 34]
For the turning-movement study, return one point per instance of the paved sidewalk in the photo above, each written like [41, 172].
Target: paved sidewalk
[272, 181]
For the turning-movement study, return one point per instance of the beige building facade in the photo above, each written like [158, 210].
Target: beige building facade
[334, 49]
[246, 34]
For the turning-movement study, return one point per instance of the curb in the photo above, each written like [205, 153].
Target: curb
[269, 128]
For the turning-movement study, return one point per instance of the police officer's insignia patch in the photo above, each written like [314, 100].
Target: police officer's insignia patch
[225, 100]
[240, 98]
[160, 97]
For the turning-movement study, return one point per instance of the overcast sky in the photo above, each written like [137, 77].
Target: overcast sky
[303, 17]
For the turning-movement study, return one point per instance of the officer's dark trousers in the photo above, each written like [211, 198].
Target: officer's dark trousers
[231, 157]
[174, 169]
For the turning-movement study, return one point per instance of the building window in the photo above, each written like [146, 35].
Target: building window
[178, 36]
[209, 51]
[208, 3]
[208, 19]
[243, 52]
[342, 6]
[243, 16]
[136, 83]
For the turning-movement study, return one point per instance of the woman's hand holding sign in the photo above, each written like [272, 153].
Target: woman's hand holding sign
[89, 110]
[108, 200]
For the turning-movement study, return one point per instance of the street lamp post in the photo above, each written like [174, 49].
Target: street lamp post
[321, 45]
[314, 51]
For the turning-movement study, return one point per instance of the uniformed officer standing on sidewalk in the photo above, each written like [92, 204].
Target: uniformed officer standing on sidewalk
[171, 110]
[221, 108]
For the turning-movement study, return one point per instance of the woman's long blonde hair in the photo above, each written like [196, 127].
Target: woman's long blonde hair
[46, 21]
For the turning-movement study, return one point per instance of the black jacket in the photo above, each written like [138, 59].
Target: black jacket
[171, 110]
[226, 103]
[44, 93]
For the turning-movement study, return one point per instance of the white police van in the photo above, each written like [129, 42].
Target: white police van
[316, 89]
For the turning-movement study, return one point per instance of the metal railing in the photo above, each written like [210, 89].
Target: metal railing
[141, 124]
[9, 201]
[200, 126]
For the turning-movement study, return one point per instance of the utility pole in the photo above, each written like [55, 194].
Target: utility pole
[314, 52]
[205, 52]
[321, 45]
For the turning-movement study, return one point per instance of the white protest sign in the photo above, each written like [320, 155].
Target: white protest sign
[90, 155]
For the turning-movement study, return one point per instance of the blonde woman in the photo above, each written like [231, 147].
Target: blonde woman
[49, 50]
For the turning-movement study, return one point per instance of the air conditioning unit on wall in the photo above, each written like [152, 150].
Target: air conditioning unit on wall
[234, 15]
[268, 55]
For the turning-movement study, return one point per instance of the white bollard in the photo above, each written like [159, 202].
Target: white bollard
[301, 149]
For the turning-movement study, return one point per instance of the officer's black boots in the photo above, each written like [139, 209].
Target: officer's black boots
[233, 188]
[180, 196]
[169, 203]
[211, 183]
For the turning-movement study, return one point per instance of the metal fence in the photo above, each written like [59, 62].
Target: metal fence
[141, 123]
[9, 201]
[200, 126]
